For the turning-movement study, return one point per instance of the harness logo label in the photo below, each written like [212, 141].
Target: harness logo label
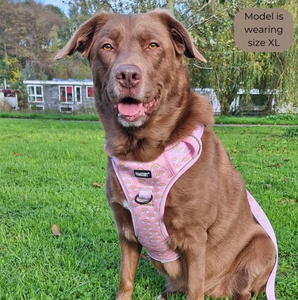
[142, 174]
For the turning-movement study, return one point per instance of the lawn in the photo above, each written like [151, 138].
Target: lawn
[53, 172]
[282, 119]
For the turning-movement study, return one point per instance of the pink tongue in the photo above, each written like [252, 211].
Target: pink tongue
[129, 109]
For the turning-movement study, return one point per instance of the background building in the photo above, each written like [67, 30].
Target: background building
[61, 95]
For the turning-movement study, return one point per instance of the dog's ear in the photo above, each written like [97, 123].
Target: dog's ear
[82, 40]
[182, 40]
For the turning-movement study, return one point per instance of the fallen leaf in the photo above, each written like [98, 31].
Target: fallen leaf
[277, 165]
[96, 184]
[55, 229]
[287, 201]
[144, 257]
[17, 154]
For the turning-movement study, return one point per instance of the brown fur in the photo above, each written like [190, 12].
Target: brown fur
[223, 251]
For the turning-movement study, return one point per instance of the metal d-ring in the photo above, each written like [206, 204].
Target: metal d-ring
[143, 202]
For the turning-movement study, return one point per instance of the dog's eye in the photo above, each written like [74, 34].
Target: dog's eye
[107, 47]
[153, 46]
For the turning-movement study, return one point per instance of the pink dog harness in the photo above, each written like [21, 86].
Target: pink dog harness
[146, 186]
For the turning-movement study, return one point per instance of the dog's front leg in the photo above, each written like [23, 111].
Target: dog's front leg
[194, 259]
[130, 253]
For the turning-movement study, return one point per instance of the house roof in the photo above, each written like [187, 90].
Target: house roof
[58, 81]
[8, 91]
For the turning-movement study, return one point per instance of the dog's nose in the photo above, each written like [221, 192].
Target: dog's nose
[128, 75]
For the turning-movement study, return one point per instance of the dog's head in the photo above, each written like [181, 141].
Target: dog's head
[137, 63]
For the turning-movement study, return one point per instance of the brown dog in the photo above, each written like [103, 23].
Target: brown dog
[143, 97]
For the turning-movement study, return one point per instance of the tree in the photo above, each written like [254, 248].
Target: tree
[289, 76]
[25, 30]
[229, 68]
[170, 5]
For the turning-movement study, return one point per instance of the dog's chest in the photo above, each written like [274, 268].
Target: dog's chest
[146, 186]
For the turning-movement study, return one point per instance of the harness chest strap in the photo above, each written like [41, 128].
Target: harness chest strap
[146, 186]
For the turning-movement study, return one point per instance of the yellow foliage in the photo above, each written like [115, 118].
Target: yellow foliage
[13, 69]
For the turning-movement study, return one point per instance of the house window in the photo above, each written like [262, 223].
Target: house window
[90, 92]
[66, 94]
[39, 107]
[66, 109]
[78, 94]
[259, 99]
[35, 93]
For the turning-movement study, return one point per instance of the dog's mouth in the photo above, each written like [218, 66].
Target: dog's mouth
[131, 110]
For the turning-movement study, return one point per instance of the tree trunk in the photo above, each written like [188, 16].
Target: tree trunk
[224, 106]
[171, 6]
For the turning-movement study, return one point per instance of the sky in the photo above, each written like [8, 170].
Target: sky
[59, 3]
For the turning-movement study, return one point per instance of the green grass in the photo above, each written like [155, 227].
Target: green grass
[50, 116]
[92, 116]
[268, 120]
[47, 175]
